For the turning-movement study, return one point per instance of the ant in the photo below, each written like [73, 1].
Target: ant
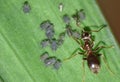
[90, 53]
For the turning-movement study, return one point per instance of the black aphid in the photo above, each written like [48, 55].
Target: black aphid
[44, 43]
[66, 19]
[57, 64]
[26, 7]
[44, 56]
[54, 45]
[50, 61]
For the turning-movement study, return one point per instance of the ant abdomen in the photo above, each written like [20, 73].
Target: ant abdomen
[93, 63]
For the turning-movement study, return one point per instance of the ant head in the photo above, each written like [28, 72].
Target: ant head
[93, 63]
[86, 35]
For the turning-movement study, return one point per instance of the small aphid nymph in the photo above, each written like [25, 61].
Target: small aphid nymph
[61, 39]
[66, 19]
[61, 6]
[54, 45]
[49, 29]
[79, 16]
[69, 30]
[44, 56]
[26, 7]
[76, 34]
[45, 43]
[50, 34]
[57, 64]
[50, 61]
[45, 24]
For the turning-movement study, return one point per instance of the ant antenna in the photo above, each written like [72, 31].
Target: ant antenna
[73, 55]
[102, 26]
[83, 66]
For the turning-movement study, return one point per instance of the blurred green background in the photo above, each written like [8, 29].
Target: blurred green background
[20, 37]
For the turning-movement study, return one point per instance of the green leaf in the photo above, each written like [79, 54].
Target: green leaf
[20, 37]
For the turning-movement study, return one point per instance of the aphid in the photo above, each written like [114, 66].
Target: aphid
[62, 36]
[76, 34]
[69, 30]
[90, 54]
[45, 43]
[44, 25]
[61, 39]
[57, 64]
[66, 19]
[54, 45]
[48, 27]
[44, 56]
[26, 7]
[49, 61]
[79, 16]
[61, 7]
[60, 42]
[50, 34]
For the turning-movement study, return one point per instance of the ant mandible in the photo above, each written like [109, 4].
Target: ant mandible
[90, 54]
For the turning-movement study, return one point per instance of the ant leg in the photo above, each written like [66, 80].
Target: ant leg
[100, 42]
[83, 66]
[101, 47]
[74, 54]
[98, 48]
[105, 61]
[79, 41]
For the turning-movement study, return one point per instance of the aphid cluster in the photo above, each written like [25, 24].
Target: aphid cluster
[85, 40]
[50, 61]
[51, 41]
[54, 43]
[69, 31]
[79, 16]
[49, 31]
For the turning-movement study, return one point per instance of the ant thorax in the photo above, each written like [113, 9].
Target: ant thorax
[87, 47]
